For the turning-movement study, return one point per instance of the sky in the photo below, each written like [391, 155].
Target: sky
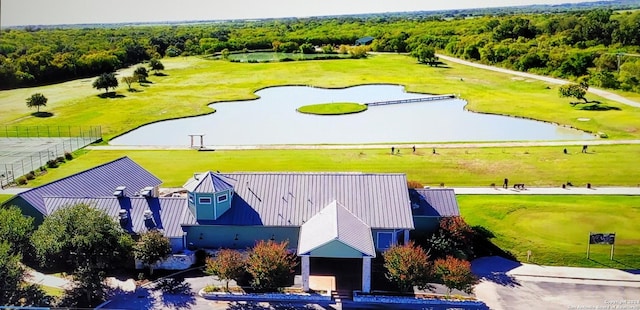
[56, 12]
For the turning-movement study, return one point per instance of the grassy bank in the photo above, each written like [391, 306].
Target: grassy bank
[534, 166]
[191, 83]
[4, 198]
[556, 228]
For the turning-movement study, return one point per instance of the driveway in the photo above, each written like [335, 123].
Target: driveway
[511, 285]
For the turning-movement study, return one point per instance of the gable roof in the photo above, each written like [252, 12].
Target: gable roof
[365, 40]
[209, 182]
[291, 199]
[437, 202]
[95, 182]
[168, 212]
[335, 223]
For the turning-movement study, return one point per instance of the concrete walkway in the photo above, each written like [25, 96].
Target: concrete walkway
[600, 92]
[408, 146]
[48, 280]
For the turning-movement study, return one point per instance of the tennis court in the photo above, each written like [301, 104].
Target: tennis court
[25, 149]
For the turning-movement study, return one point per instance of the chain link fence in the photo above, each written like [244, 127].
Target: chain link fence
[28, 148]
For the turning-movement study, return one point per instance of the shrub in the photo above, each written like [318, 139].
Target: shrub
[21, 181]
[227, 265]
[407, 266]
[52, 164]
[30, 176]
[455, 274]
[270, 265]
[414, 184]
[68, 156]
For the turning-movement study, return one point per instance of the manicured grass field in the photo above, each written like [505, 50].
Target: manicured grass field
[4, 198]
[336, 108]
[192, 83]
[534, 166]
[556, 228]
[271, 56]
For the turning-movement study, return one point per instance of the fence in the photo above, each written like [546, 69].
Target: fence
[28, 148]
[89, 132]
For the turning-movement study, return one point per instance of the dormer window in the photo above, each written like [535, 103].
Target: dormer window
[222, 198]
[204, 200]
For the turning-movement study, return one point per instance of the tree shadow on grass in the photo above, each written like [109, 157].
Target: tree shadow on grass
[42, 114]
[160, 74]
[134, 90]
[111, 94]
[599, 107]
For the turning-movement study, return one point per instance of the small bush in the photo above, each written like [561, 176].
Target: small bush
[213, 288]
[21, 181]
[52, 164]
[30, 176]
[60, 160]
[68, 156]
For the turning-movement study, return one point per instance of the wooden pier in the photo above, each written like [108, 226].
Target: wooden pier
[423, 99]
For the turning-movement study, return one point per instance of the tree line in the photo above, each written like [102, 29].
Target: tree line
[598, 43]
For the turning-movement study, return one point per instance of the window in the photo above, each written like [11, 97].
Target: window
[385, 240]
[204, 200]
[191, 198]
[222, 198]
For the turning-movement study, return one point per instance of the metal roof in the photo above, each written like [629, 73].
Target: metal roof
[209, 182]
[335, 223]
[438, 202]
[95, 182]
[168, 212]
[291, 199]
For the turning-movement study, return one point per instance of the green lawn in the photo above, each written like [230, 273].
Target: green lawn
[272, 56]
[336, 108]
[534, 166]
[52, 291]
[191, 83]
[556, 228]
[4, 198]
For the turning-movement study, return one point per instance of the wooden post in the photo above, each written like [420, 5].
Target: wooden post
[612, 246]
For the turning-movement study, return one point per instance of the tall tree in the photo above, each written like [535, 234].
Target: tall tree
[455, 274]
[106, 81]
[151, 248]
[577, 91]
[141, 73]
[81, 235]
[270, 264]
[155, 65]
[408, 266]
[227, 265]
[37, 100]
[11, 275]
[15, 229]
[89, 289]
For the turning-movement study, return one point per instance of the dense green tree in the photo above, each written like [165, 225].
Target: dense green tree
[81, 235]
[151, 248]
[270, 265]
[89, 288]
[425, 55]
[37, 100]
[408, 266]
[155, 65]
[11, 275]
[227, 265]
[15, 229]
[106, 81]
[574, 90]
[141, 74]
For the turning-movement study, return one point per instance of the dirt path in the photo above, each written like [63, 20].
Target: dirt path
[596, 91]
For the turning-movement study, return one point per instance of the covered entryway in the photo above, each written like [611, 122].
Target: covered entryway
[337, 234]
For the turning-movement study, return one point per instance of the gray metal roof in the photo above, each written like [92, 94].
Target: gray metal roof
[98, 181]
[290, 199]
[439, 202]
[168, 212]
[209, 182]
[335, 223]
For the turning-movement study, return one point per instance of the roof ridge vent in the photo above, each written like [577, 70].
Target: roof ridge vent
[119, 192]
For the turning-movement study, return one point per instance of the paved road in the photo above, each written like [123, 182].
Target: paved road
[597, 91]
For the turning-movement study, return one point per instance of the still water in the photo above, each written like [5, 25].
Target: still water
[273, 119]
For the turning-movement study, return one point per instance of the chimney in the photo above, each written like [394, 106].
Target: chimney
[119, 192]
[148, 220]
[149, 192]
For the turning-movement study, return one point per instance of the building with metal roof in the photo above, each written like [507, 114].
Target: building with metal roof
[99, 181]
[429, 205]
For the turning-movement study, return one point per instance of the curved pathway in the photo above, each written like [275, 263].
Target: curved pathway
[597, 91]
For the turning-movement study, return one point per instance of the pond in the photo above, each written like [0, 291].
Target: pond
[273, 119]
